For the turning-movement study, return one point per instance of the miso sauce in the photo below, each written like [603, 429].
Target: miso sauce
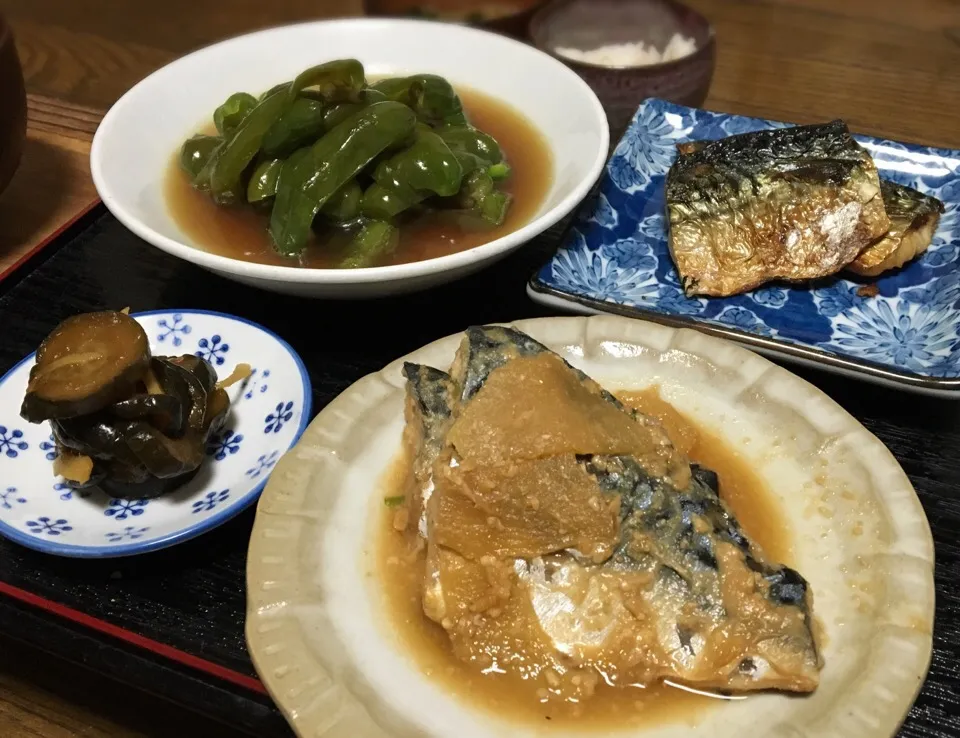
[240, 232]
[610, 708]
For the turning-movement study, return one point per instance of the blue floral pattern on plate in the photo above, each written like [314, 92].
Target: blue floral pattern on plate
[615, 258]
[41, 511]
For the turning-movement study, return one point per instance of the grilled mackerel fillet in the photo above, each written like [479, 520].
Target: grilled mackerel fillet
[913, 221]
[791, 203]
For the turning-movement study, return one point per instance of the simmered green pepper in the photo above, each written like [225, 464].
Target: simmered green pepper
[427, 167]
[300, 125]
[342, 79]
[375, 239]
[471, 141]
[196, 152]
[229, 115]
[227, 164]
[432, 98]
[263, 182]
[334, 115]
[344, 206]
[332, 162]
[480, 196]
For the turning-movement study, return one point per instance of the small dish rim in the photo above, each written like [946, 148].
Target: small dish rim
[70, 550]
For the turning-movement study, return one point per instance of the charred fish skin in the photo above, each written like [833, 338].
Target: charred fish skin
[486, 348]
[653, 505]
[790, 203]
[430, 390]
[914, 217]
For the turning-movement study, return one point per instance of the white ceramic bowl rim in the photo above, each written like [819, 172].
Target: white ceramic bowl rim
[343, 276]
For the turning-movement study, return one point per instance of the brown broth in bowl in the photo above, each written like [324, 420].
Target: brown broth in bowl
[240, 232]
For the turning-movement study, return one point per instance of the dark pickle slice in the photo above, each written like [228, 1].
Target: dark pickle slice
[164, 412]
[86, 363]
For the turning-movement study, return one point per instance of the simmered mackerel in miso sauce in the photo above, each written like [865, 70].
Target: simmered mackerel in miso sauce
[470, 663]
[241, 232]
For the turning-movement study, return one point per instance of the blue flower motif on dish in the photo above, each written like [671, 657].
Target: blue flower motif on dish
[771, 297]
[592, 274]
[281, 414]
[210, 501]
[129, 533]
[265, 462]
[47, 526]
[603, 214]
[123, 509]
[745, 320]
[670, 300]
[913, 335]
[942, 293]
[213, 349]
[646, 150]
[254, 383]
[837, 299]
[9, 497]
[68, 493]
[223, 444]
[174, 329]
[11, 442]
[631, 253]
[945, 246]
[946, 366]
[49, 448]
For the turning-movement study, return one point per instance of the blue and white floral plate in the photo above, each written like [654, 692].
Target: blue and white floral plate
[268, 413]
[615, 259]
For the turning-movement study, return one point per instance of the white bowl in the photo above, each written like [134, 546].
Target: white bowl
[137, 138]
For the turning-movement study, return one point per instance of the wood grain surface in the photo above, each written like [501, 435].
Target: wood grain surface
[888, 67]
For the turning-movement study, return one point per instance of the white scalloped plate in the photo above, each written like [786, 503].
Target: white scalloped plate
[860, 538]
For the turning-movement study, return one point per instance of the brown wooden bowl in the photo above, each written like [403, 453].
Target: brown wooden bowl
[13, 106]
[513, 24]
[588, 24]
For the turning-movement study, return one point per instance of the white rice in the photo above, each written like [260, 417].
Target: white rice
[636, 54]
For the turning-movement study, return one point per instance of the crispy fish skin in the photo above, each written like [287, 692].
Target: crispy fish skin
[793, 203]
[914, 217]
[686, 596]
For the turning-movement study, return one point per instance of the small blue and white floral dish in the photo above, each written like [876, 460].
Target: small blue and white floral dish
[268, 412]
[615, 259]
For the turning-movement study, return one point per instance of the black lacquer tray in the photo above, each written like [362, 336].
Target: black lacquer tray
[171, 622]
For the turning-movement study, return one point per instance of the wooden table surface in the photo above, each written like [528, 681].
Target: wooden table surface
[888, 67]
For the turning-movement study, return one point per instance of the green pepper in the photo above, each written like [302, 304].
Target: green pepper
[469, 140]
[479, 195]
[226, 166]
[344, 206]
[263, 183]
[376, 239]
[332, 162]
[229, 115]
[335, 114]
[498, 171]
[195, 153]
[410, 176]
[432, 98]
[300, 125]
[342, 79]
[275, 88]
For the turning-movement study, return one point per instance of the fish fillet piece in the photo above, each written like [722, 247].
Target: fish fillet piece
[567, 562]
[913, 221]
[791, 203]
